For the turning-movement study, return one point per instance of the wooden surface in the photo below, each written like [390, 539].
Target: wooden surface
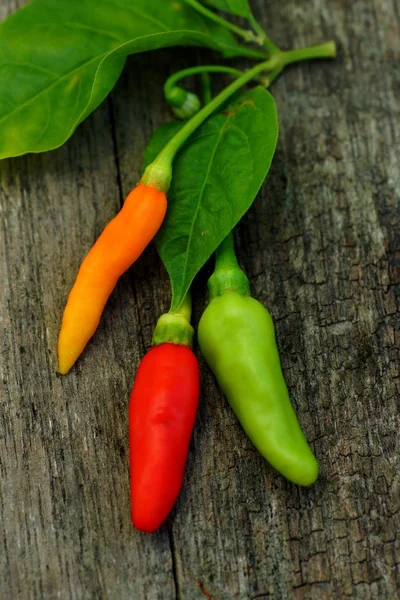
[322, 248]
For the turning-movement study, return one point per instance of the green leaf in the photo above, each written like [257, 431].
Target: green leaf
[60, 58]
[216, 176]
[240, 8]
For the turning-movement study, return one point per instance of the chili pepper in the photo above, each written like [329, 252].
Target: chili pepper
[236, 336]
[120, 244]
[162, 412]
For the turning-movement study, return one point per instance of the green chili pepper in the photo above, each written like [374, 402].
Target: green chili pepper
[236, 336]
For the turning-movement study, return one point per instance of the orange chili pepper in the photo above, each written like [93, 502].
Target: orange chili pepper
[121, 243]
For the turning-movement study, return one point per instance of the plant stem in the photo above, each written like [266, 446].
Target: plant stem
[248, 36]
[262, 36]
[174, 326]
[327, 50]
[159, 172]
[225, 255]
[171, 81]
[170, 84]
[249, 52]
[227, 276]
[266, 80]
[206, 86]
[185, 309]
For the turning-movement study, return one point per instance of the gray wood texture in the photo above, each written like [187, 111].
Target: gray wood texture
[321, 246]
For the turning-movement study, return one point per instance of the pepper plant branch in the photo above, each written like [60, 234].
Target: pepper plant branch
[262, 36]
[174, 326]
[159, 172]
[255, 53]
[327, 50]
[266, 80]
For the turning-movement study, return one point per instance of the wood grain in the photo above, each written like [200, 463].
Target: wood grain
[321, 246]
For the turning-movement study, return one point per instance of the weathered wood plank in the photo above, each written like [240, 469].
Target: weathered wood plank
[322, 248]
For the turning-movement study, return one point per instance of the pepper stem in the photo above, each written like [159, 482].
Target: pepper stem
[185, 309]
[225, 255]
[227, 276]
[174, 327]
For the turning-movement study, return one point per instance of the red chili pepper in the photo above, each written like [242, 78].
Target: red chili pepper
[162, 412]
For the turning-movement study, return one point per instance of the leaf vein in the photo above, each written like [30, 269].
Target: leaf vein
[17, 63]
[217, 142]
